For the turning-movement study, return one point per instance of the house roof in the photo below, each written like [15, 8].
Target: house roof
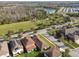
[77, 32]
[71, 30]
[72, 33]
[76, 37]
[71, 36]
[4, 48]
[28, 43]
[15, 43]
[53, 52]
[39, 43]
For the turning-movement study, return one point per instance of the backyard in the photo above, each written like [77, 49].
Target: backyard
[31, 54]
[45, 40]
[69, 43]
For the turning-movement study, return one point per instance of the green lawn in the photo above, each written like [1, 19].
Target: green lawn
[31, 54]
[31, 25]
[75, 44]
[26, 25]
[16, 26]
[69, 43]
[45, 40]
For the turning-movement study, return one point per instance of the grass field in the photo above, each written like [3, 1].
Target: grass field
[27, 25]
[16, 26]
[45, 40]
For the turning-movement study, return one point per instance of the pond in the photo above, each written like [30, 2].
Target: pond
[50, 10]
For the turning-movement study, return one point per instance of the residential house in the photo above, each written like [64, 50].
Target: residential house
[72, 34]
[52, 52]
[28, 44]
[70, 30]
[15, 46]
[40, 45]
[76, 37]
[4, 52]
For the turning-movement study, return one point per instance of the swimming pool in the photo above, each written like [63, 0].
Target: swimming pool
[50, 10]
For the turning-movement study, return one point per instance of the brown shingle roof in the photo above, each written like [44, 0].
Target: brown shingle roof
[53, 52]
[28, 43]
[40, 44]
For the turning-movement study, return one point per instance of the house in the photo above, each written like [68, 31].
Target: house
[28, 44]
[73, 37]
[4, 52]
[69, 30]
[72, 34]
[15, 46]
[76, 38]
[40, 45]
[52, 52]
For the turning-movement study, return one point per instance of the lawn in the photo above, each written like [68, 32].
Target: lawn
[72, 44]
[31, 54]
[26, 25]
[30, 25]
[69, 43]
[16, 26]
[45, 40]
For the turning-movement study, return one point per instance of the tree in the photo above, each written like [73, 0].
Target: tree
[52, 32]
[5, 37]
[66, 53]
[40, 14]
[55, 32]
[20, 33]
[9, 33]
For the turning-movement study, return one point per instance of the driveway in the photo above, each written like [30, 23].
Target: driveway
[74, 52]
